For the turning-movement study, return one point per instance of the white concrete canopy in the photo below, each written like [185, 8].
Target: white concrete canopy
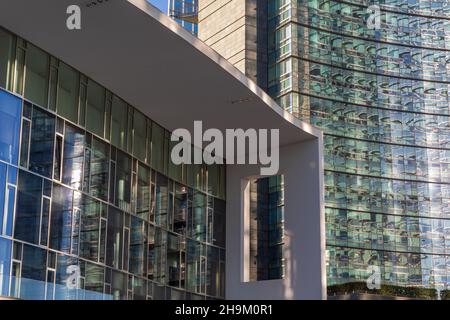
[147, 59]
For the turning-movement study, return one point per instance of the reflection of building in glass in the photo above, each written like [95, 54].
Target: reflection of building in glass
[266, 228]
[381, 98]
[92, 205]
[100, 211]
[185, 12]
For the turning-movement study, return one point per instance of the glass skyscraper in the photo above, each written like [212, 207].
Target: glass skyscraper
[185, 12]
[381, 96]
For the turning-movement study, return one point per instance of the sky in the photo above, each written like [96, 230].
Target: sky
[160, 4]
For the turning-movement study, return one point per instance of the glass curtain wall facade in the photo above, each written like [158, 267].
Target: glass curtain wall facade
[266, 228]
[91, 207]
[382, 98]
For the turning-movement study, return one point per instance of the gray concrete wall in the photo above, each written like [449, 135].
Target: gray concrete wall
[305, 275]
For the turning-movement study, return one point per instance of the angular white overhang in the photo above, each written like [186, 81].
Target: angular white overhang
[146, 58]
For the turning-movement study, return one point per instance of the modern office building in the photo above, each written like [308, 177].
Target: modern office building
[380, 93]
[91, 204]
[185, 12]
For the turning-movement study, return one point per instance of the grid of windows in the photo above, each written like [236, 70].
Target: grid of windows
[381, 97]
[90, 207]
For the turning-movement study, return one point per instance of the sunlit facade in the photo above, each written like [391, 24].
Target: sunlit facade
[381, 96]
[91, 207]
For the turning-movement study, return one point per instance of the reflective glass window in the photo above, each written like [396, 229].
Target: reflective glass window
[94, 276]
[159, 148]
[91, 211]
[74, 143]
[123, 181]
[119, 123]
[32, 284]
[42, 142]
[143, 192]
[5, 262]
[182, 199]
[6, 57]
[114, 244]
[28, 212]
[37, 75]
[219, 222]
[10, 113]
[119, 285]
[67, 277]
[61, 219]
[139, 136]
[138, 242]
[162, 200]
[2, 194]
[95, 113]
[173, 260]
[67, 101]
[98, 169]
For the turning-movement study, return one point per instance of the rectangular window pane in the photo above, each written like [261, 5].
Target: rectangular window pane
[95, 119]
[34, 265]
[182, 194]
[27, 224]
[138, 242]
[266, 228]
[61, 219]
[9, 214]
[42, 140]
[19, 67]
[219, 222]
[6, 58]
[114, 238]
[37, 75]
[158, 150]
[2, 194]
[173, 260]
[89, 228]
[10, 114]
[74, 143]
[139, 136]
[99, 169]
[123, 181]
[25, 145]
[5, 260]
[45, 221]
[198, 222]
[119, 123]
[67, 102]
[162, 200]
[94, 280]
[143, 192]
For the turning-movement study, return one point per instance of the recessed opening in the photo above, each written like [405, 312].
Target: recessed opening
[266, 228]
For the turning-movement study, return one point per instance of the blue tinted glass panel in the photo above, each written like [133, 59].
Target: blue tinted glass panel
[34, 265]
[10, 111]
[5, 260]
[2, 193]
[28, 207]
[61, 219]
[42, 140]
